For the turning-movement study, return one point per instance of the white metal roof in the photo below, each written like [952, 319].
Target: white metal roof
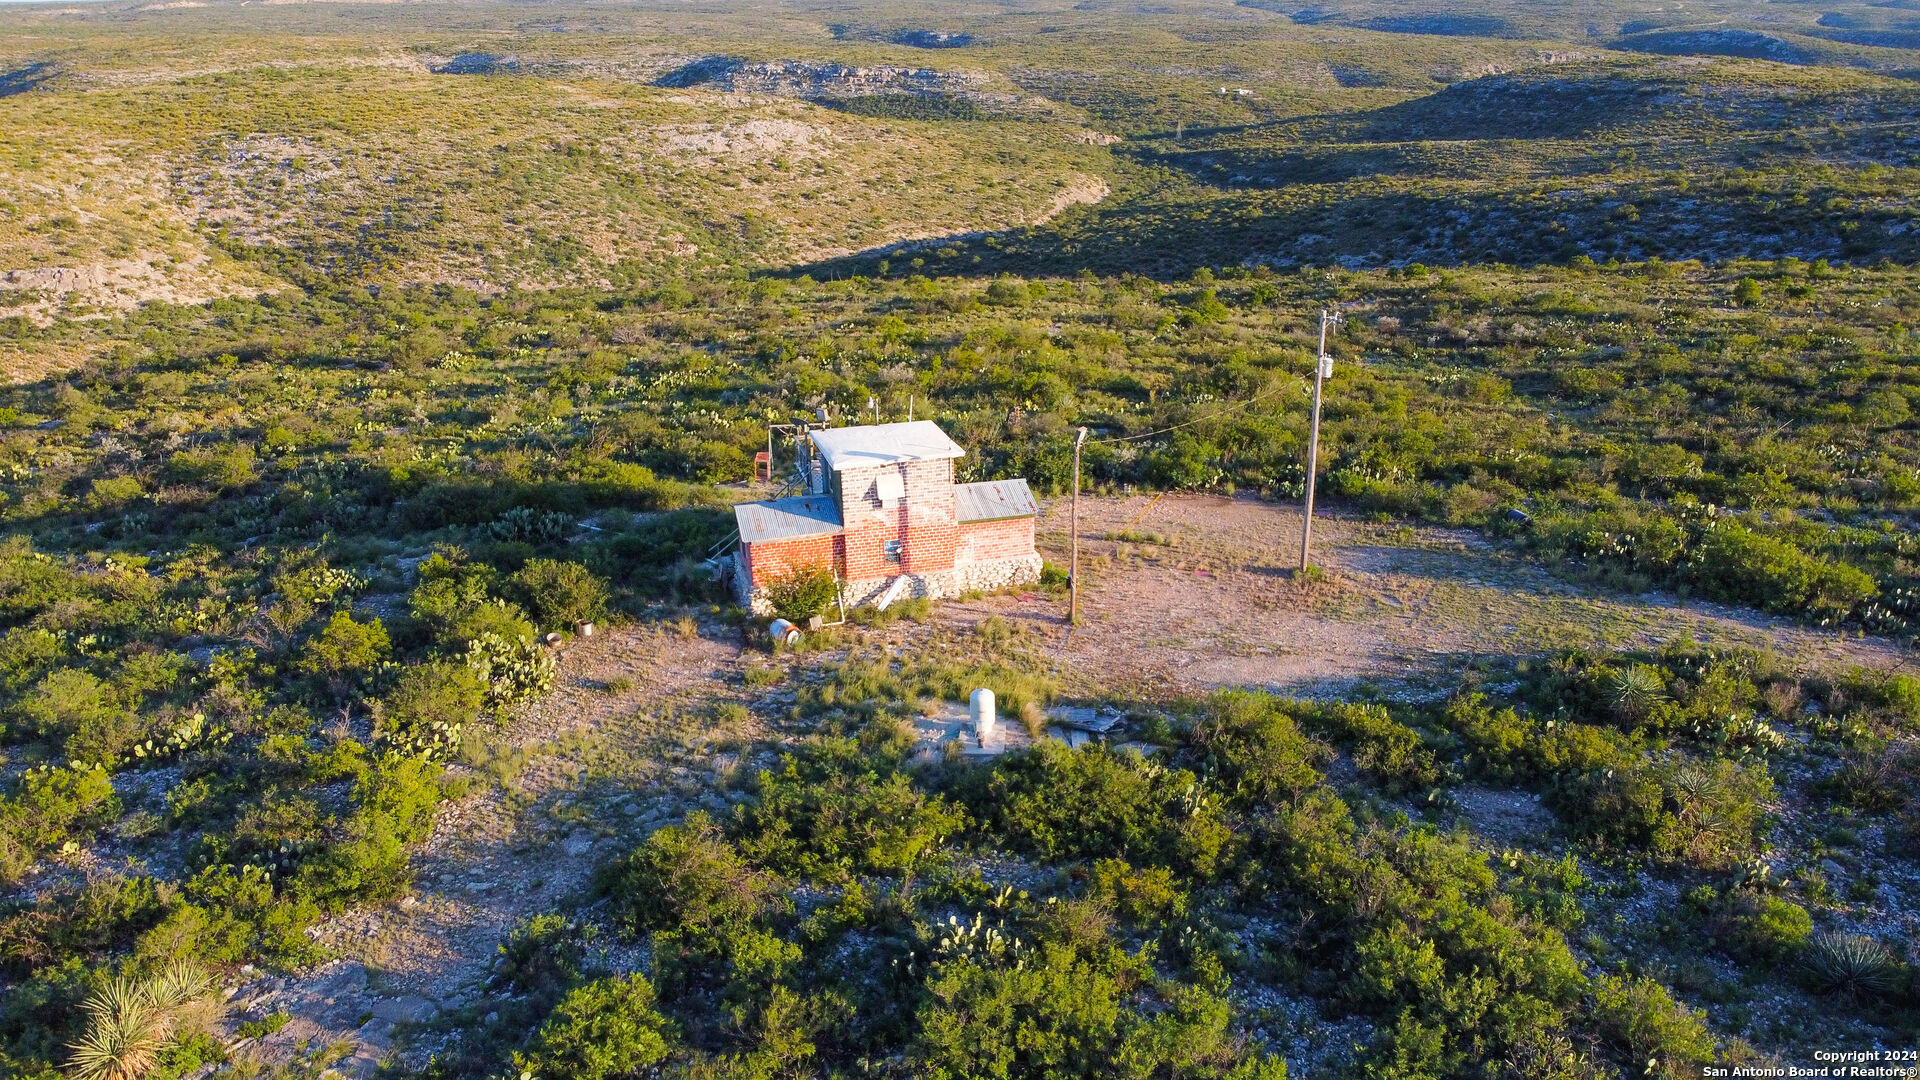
[884, 444]
[992, 500]
[783, 519]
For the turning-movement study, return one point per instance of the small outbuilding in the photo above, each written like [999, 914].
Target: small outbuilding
[880, 504]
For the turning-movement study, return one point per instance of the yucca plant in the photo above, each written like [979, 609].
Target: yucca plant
[129, 1021]
[125, 1033]
[184, 990]
[1851, 964]
[1633, 692]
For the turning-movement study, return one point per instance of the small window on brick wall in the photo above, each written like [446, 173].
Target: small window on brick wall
[892, 549]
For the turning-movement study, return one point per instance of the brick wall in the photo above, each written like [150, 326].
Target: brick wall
[771, 559]
[932, 542]
[990, 541]
[922, 522]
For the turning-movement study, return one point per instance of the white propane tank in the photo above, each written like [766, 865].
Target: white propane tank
[784, 632]
[980, 708]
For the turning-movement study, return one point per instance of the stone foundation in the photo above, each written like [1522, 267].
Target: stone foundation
[942, 584]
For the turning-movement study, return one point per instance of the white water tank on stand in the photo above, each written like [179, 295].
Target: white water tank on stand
[980, 709]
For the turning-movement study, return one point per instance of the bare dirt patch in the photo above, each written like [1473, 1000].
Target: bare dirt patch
[1079, 189]
[1184, 594]
[108, 287]
[1076, 189]
[750, 139]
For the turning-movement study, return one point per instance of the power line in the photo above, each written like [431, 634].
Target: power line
[1198, 420]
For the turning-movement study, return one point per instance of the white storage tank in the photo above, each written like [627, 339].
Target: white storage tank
[980, 709]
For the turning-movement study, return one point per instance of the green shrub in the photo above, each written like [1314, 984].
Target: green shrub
[454, 600]
[1499, 744]
[1387, 750]
[687, 878]
[64, 701]
[1184, 462]
[1766, 927]
[1575, 748]
[1739, 564]
[1901, 695]
[1095, 801]
[49, 806]
[1717, 557]
[1548, 889]
[494, 619]
[802, 593]
[561, 594]
[542, 956]
[1249, 744]
[429, 707]
[344, 653]
[828, 811]
[1149, 895]
[660, 555]
[221, 468]
[1064, 1015]
[603, 1030]
[1706, 814]
[112, 491]
[232, 914]
[1412, 927]
[1651, 1033]
[393, 807]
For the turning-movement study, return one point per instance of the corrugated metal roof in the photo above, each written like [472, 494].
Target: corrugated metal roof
[782, 519]
[993, 500]
[883, 444]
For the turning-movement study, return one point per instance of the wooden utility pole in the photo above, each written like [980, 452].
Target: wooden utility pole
[1073, 568]
[1322, 368]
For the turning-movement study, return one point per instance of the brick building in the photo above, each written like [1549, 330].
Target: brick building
[880, 505]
